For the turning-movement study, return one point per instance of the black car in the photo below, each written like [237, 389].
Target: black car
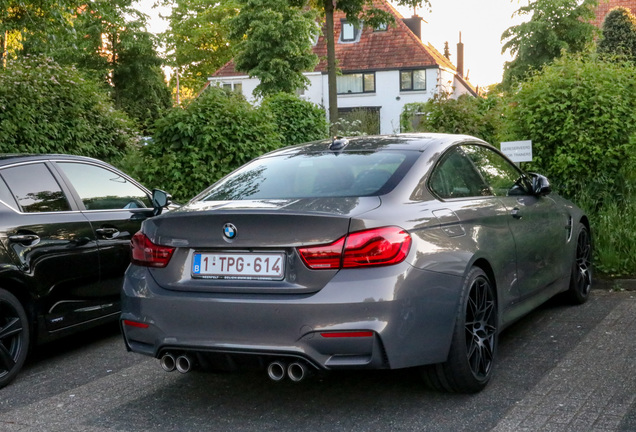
[65, 228]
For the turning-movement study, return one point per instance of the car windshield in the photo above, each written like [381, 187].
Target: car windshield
[313, 175]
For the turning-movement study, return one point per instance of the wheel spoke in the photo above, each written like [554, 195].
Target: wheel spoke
[13, 327]
[6, 360]
[480, 328]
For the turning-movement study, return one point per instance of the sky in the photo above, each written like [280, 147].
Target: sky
[481, 23]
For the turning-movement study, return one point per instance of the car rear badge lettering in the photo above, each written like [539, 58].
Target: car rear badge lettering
[229, 231]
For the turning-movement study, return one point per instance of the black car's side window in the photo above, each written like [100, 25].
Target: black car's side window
[503, 177]
[35, 189]
[102, 189]
[456, 177]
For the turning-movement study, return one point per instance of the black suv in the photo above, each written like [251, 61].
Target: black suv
[65, 229]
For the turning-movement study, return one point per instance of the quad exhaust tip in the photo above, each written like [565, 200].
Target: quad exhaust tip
[278, 370]
[182, 362]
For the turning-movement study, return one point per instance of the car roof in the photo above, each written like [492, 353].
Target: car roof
[405, 141]
[11, 158]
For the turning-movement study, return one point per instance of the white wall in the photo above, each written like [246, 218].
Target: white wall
[387, 95]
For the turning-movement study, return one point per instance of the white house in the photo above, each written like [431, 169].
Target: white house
[381, 70]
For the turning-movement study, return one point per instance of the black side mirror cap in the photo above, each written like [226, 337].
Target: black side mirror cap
[540, 185]
[160, 200]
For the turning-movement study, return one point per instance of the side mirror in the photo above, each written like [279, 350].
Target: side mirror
[540, 185]
[160, 199]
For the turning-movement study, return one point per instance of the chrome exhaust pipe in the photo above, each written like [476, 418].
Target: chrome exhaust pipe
[276, 371]
[184, 363]
[296, 371]
[167, 362]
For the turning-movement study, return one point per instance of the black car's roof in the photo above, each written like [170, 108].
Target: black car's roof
[407, 141]
[11, 158]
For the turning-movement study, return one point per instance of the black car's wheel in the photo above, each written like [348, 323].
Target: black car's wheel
[14, 337]
[474, 345]
[581, 278]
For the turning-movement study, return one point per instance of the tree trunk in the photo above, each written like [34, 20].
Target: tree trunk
[3, 45]
[331, 64]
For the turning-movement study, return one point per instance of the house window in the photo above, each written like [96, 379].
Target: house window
[356, 83]
[232, 86]
[413, 80]
[349, 32]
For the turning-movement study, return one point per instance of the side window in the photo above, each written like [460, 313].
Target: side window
[456, 177]
[503, 177]
[35, 189]
[103, 189]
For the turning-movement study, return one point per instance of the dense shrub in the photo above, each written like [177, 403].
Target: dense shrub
[479, 117]
[195, 146]
[580, 114]
[46, 108]
[298, 120]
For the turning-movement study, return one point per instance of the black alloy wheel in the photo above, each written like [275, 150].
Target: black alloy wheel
[581, 278]
[14, 337]
[473, 348]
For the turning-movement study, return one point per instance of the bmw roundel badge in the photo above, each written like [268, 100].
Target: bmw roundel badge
[229, 231]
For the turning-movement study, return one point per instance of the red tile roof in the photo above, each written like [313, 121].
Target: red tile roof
[395, 48]
[606, 5]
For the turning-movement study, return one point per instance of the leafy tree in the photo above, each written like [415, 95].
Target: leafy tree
[47, 108]
[297, 120]
[480, 117]
[273, 42]
[197, 145]
[580, 114]
[197, 39]
[555, 26]
[139, 86]
[619, 34]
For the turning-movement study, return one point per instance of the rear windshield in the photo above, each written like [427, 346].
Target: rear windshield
[314, 175]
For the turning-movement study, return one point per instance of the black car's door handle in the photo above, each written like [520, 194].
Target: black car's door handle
[107, 233]
[516, 214]
[24, 239]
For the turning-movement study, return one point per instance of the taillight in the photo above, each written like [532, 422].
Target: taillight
[369, 248]
[146, 253]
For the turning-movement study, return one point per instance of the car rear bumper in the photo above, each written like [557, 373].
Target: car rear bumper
[364, 318]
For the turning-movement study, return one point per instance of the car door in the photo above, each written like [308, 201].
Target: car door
[52, 244]
[115, 205]
[536, 223]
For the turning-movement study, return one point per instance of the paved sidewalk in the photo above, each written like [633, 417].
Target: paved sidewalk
[575, 395]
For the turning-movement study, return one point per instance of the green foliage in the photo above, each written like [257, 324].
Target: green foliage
[195, 146]
[139, 86]
[619, 34]
[479, 117]
[46, 108]
[297, 120]
[196, 39]
[357, 122]
[580, 113]
[556, 26]
[273, 42]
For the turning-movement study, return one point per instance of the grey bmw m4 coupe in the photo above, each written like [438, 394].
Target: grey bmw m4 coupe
[381, 252]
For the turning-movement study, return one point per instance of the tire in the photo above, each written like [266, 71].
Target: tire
[581, 276]
[14, 337]
[474, 345]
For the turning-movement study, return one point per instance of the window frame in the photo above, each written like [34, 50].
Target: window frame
[412, 81]
[362, 78]
[357, 31]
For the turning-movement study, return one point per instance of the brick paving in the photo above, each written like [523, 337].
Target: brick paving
[575, 395]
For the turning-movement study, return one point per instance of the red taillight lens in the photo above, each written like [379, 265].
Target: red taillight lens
[375, 247]
[323, 256]
[146, 253]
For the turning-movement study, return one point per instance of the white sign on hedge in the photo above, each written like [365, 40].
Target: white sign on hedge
[517, 151]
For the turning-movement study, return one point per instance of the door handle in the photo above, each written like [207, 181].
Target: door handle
[25, 239]
[107, 233]
[516, 214]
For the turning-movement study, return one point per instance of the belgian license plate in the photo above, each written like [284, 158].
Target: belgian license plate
[269, 266]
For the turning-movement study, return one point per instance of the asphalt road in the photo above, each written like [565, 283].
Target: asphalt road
[561, 368]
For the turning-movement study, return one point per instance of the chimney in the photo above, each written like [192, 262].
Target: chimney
[460, 57]
[415, 25]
